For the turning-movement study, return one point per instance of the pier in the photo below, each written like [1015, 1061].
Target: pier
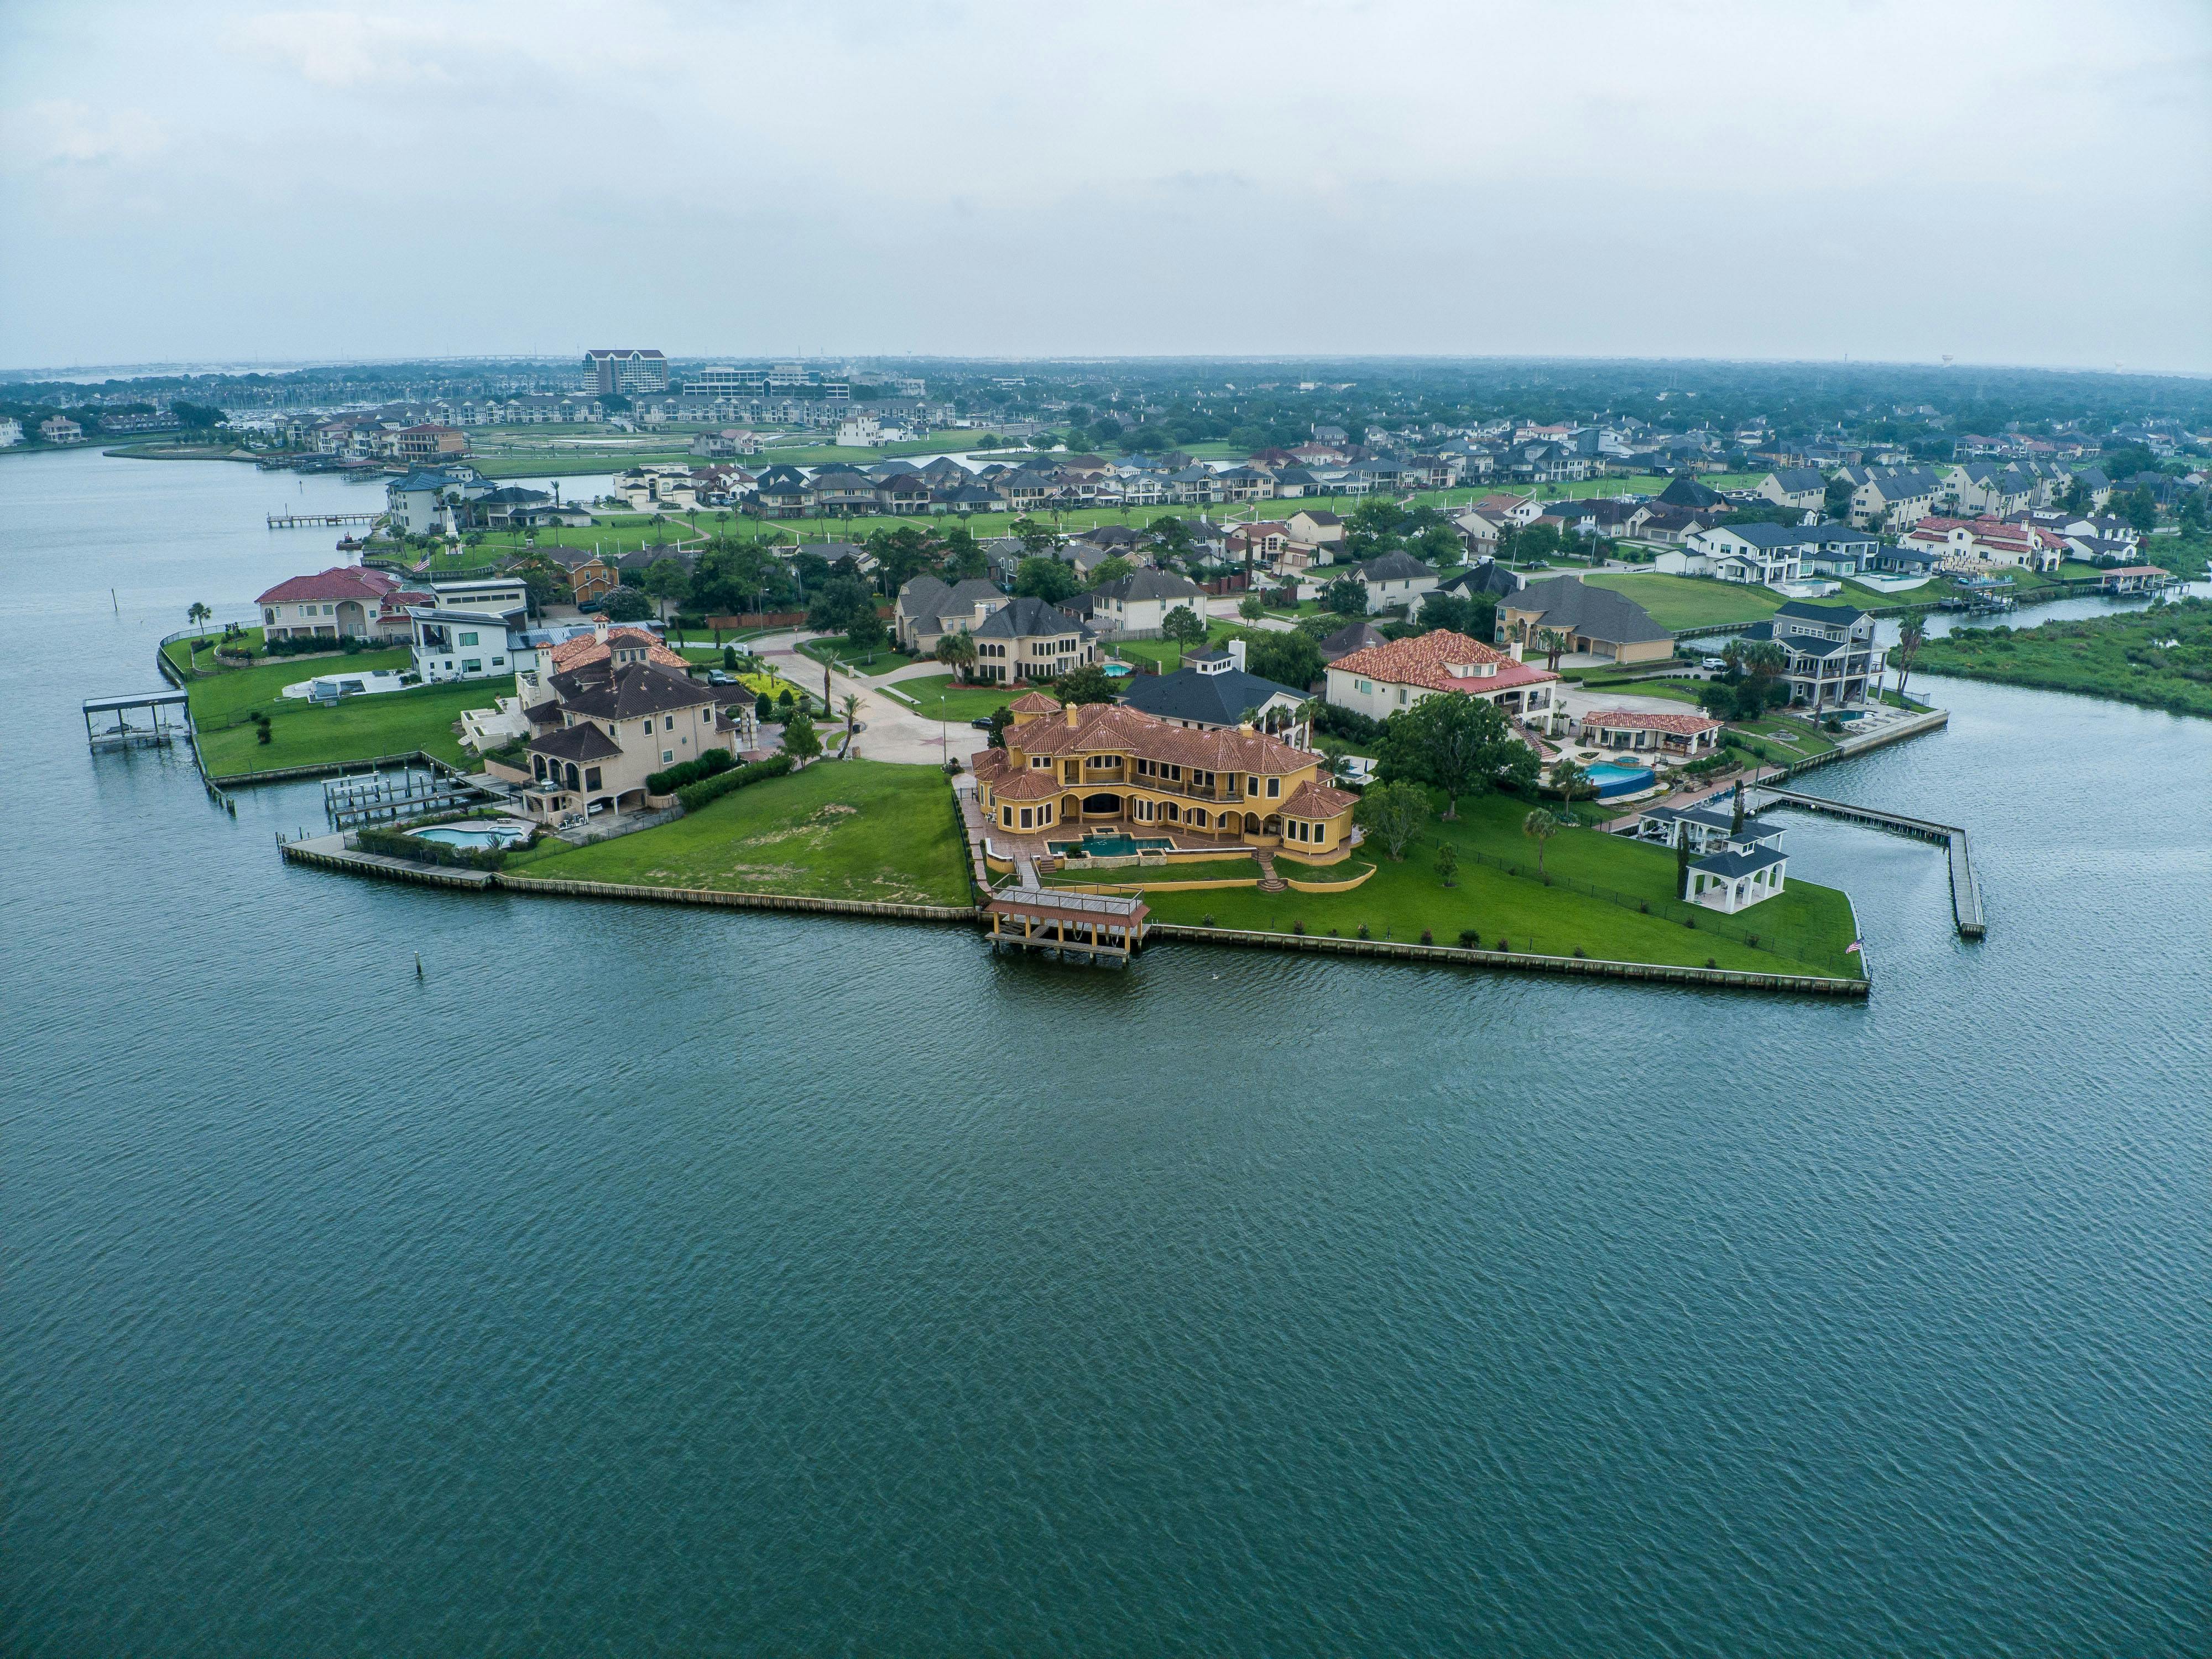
[1098, 925]
[1965, 891]
[123, 734]
[352, 801]
[312, 520]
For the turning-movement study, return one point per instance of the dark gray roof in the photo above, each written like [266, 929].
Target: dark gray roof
[637, 689]
[1211, 699]
[1738, 864]
[1686, 491]
[1796, 480]
[1150, 584]
[1353, 636]
[1021, 618]
[1489, 577]
[1835, 615]
[582, 742]
[1394, 566]
[1599, 612]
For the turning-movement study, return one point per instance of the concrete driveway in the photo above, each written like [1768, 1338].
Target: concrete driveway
[893, 732]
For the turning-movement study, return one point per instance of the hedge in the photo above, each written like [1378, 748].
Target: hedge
[667, 782]
[696, 795]
[398, 844]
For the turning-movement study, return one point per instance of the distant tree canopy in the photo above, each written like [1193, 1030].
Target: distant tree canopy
[1045, 579]
[626, 605]
[196, 417]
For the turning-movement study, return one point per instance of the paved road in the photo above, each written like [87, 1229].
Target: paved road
[894, 732]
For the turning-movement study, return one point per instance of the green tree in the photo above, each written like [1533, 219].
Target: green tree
[849, 706]
[1438, 544]
[1251, 607]
[838, 605]
[1288, 659]
[1184, 626]
[865, 630]
[1911, 634]
[1035, 537]
[1001, 718]
[1346, 596]
[730, 657]
[1045, 579]
[962, 555]
[1085, 685]
[1447, 863]
[668, 582]
[197, 615]
[1393, 814]
[800, 740]
[626, 605]
[958, 651]
[1111, 570]
[1539, 826]
[1572, 783]
[1459, 742]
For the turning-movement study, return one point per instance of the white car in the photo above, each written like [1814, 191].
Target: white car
[1714, 663]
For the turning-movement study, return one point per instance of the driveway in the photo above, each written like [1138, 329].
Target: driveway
[891, 730]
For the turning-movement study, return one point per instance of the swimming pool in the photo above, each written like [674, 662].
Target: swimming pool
[1109, 847]
[1116, 671]
[1613, 780]
[485, 836]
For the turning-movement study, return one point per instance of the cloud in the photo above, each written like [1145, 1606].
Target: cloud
[345, 50]
[59, 132]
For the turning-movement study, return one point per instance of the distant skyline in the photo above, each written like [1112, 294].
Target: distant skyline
[2022, 185]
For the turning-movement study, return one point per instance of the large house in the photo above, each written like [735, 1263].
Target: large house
[1592, 621]
[1135, 606]
[1898, 497]
[1832, 659]
[1064, 767]
[418, 503]
[610, 728]
[1026, 638]
[928, 610]
[1379, 681]
[1968, 543]
[1683, 736]
[350, 602]
[1771, 555]
[1213, 692]
[1396, 581]
[1794, 487]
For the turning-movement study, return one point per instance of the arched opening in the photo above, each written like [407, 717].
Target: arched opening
[1273, 826]
[1198, 817]
[1169, 810]
[1251, 824]
[1102, 806]
[538, 767]
[575, 778]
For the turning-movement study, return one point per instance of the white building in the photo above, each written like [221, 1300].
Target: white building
[860, 432]
[451, 644]
[11, 432]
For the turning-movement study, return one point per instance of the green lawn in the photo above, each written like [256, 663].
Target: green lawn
[935, 697]
[2125, 656]
[878, 660]
[1241, 869]
[359, 728]
[1680, 602]
[1805, 930]
[850, 829]
[227, 695]
[1784, 739]
[1167, 653]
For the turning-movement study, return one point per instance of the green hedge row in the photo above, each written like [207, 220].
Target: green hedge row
[696, 795]
[398, 844]
[674, 778]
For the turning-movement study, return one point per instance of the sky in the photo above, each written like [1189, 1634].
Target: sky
[2010, 182]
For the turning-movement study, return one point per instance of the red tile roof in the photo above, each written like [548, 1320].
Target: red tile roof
[1109, 728]
[1635, 720]
[340, 582]
[587, 649]
[1318, 800]
[1428, 659]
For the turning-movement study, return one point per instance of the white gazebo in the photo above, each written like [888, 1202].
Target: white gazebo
[1732, 881]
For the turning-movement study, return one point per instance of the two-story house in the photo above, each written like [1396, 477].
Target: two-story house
[1379, 681]
[928, 610]
[613, 725]
[1832, 658]
[1396, 581]
[1026, 638]
[1065, 769]
[1135, 606]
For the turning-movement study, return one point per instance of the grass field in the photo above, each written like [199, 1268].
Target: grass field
[937, 697]
[1784, 740]
[849, 830]
[359, 728]
[1804, 930]
[1679, 602]
[880, 659]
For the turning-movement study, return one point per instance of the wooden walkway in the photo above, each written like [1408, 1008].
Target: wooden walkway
[1965, 892]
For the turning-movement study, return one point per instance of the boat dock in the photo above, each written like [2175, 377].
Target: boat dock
[1965, 892]
[1093, 925]
[311, 520]
[352, 801]
[123, 734]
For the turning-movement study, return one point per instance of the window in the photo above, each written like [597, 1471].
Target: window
[467, 639]
[667, 756]
[472, 666]
[1274, 788]
[501, 662]
[1025, 818]
[590, 777]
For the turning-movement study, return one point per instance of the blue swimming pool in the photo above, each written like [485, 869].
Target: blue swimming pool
[1109, 847]
[1613, 780]
[482, 836]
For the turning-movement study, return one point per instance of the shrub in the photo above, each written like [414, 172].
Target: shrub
[1752, 939]
[1504, 944]
[1469, 939]
[674, 778]
[1712, 962]
[696, 795]
[399, 844]
[1297, 927]
[1207, 920]
[1690, 922]
[1644, 907]
[1427, 938]
[1332, 933]
[1580, 952]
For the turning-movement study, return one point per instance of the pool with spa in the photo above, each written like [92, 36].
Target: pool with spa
[1109, 847]
[487, 837]
[1613, 779]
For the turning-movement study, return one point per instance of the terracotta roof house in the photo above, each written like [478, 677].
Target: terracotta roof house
[1383, 679]
[1595, 620]
[1064, 767]
[1685, 735]
[347, 602]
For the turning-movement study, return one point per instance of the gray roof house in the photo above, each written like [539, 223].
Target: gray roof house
[1593, 620]
[1026, 638]
[1210, 691]
[1134, 606]
[928, 610]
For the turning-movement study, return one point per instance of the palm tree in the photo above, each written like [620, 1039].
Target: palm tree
[1539, 826]
[1910, 633]
[850, 707]
[957, 653]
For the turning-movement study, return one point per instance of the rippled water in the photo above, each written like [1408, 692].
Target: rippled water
[646, 1280]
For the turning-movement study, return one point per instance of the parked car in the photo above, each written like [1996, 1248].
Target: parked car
[720, 677]
[981, 725]
[1714, 663]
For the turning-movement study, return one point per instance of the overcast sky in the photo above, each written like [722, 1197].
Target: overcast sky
[2006, 182]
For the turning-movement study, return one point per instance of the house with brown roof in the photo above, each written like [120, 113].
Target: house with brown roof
[1683, 737]
[1066, 768]
[613, 720]
[347, 602]
[1383, 679]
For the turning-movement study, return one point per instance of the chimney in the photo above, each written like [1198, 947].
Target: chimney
[1069, 710]
[1237, 654]
[599, 630]
[1514, 648]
